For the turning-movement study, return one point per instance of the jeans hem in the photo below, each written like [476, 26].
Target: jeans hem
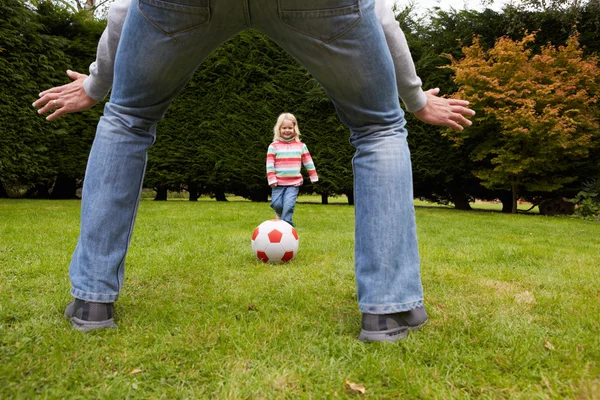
[95, 297]
[389, 308]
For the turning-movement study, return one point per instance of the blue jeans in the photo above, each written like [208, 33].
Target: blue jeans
[283, 201]
[342, 45]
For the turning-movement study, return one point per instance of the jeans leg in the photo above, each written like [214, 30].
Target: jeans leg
[347, 53]
[111, 192]
[277, 199]
[289, 202]
[161, 46]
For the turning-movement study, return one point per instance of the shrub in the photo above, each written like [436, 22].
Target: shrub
[588, 200]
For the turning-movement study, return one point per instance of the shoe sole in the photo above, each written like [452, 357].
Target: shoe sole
[391, 335]
[87, 326]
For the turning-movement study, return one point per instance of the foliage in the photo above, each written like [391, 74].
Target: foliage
[445, 32]
[441, 171]
[330, 147]
[38, 46]
[87, 8]
[537, 113]
[215, 135]
[588, 200]
[27, 59]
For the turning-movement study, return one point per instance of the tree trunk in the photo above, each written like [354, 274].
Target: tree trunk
[39, 191]
[220, 195]
[460, 200]
[514, 199]
[3, 192]
[161, 193]
[350, 195]
[506, 199]
[259, 195]
[65, 188]
[324, 198]
[194, 191]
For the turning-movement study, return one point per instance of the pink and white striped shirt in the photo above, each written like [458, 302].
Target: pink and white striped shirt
[284, 160]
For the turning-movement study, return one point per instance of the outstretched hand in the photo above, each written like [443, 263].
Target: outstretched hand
[65, 99]
[446, 112]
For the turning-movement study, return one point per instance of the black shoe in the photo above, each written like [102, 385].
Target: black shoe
[391, 327]
[88, 316]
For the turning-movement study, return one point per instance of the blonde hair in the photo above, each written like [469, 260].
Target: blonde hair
[280, 119]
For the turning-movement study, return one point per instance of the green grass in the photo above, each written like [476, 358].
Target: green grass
[513, 300]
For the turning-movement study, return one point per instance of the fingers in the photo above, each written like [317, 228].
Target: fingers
[59, 112]
[47, 103]
[463, 121]
[457, 102]
[57, 89]
[443, 111]
[444, 100]
[54, 106]
[456, 119]
[462, 111]
[51, 103]
[65, 99]
[74, 75]
[453, 125]
[433, 92]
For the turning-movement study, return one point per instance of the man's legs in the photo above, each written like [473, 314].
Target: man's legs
[344, 48]
[342, 45]
[161, 46]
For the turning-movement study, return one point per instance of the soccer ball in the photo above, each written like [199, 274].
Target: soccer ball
[275, 241]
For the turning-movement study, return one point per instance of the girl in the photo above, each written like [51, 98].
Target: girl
[284, 159]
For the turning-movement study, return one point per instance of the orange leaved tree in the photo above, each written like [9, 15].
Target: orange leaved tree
[536, 112]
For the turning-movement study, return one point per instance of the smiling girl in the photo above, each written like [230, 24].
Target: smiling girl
[285, 157]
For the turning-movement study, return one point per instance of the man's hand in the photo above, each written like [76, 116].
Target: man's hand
[445, 112]
[65, 99]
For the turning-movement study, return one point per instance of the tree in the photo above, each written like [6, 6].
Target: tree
[215, 136]
[442, 171]
[37, 157]
[328, 141]
[71, 143]
[27, 59]
[85, 7]
[536, 112]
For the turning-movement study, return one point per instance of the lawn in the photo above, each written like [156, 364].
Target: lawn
[513, 300]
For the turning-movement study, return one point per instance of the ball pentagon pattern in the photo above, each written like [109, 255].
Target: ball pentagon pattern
[275, 241]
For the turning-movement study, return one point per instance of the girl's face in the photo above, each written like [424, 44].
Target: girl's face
[286, 130]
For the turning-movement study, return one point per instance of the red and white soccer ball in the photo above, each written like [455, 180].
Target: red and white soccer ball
[275, 241]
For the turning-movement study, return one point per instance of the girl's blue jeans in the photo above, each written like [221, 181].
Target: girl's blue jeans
[341, 43]
[283, 201]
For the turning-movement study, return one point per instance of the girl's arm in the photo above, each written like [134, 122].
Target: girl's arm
[271, 154]
[309, 165]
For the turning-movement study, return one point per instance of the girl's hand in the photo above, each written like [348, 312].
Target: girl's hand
[273, 185]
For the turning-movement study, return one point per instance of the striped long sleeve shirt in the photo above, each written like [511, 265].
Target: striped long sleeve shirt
[284, 160]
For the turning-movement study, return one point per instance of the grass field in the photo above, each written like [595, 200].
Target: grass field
[513, 300]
